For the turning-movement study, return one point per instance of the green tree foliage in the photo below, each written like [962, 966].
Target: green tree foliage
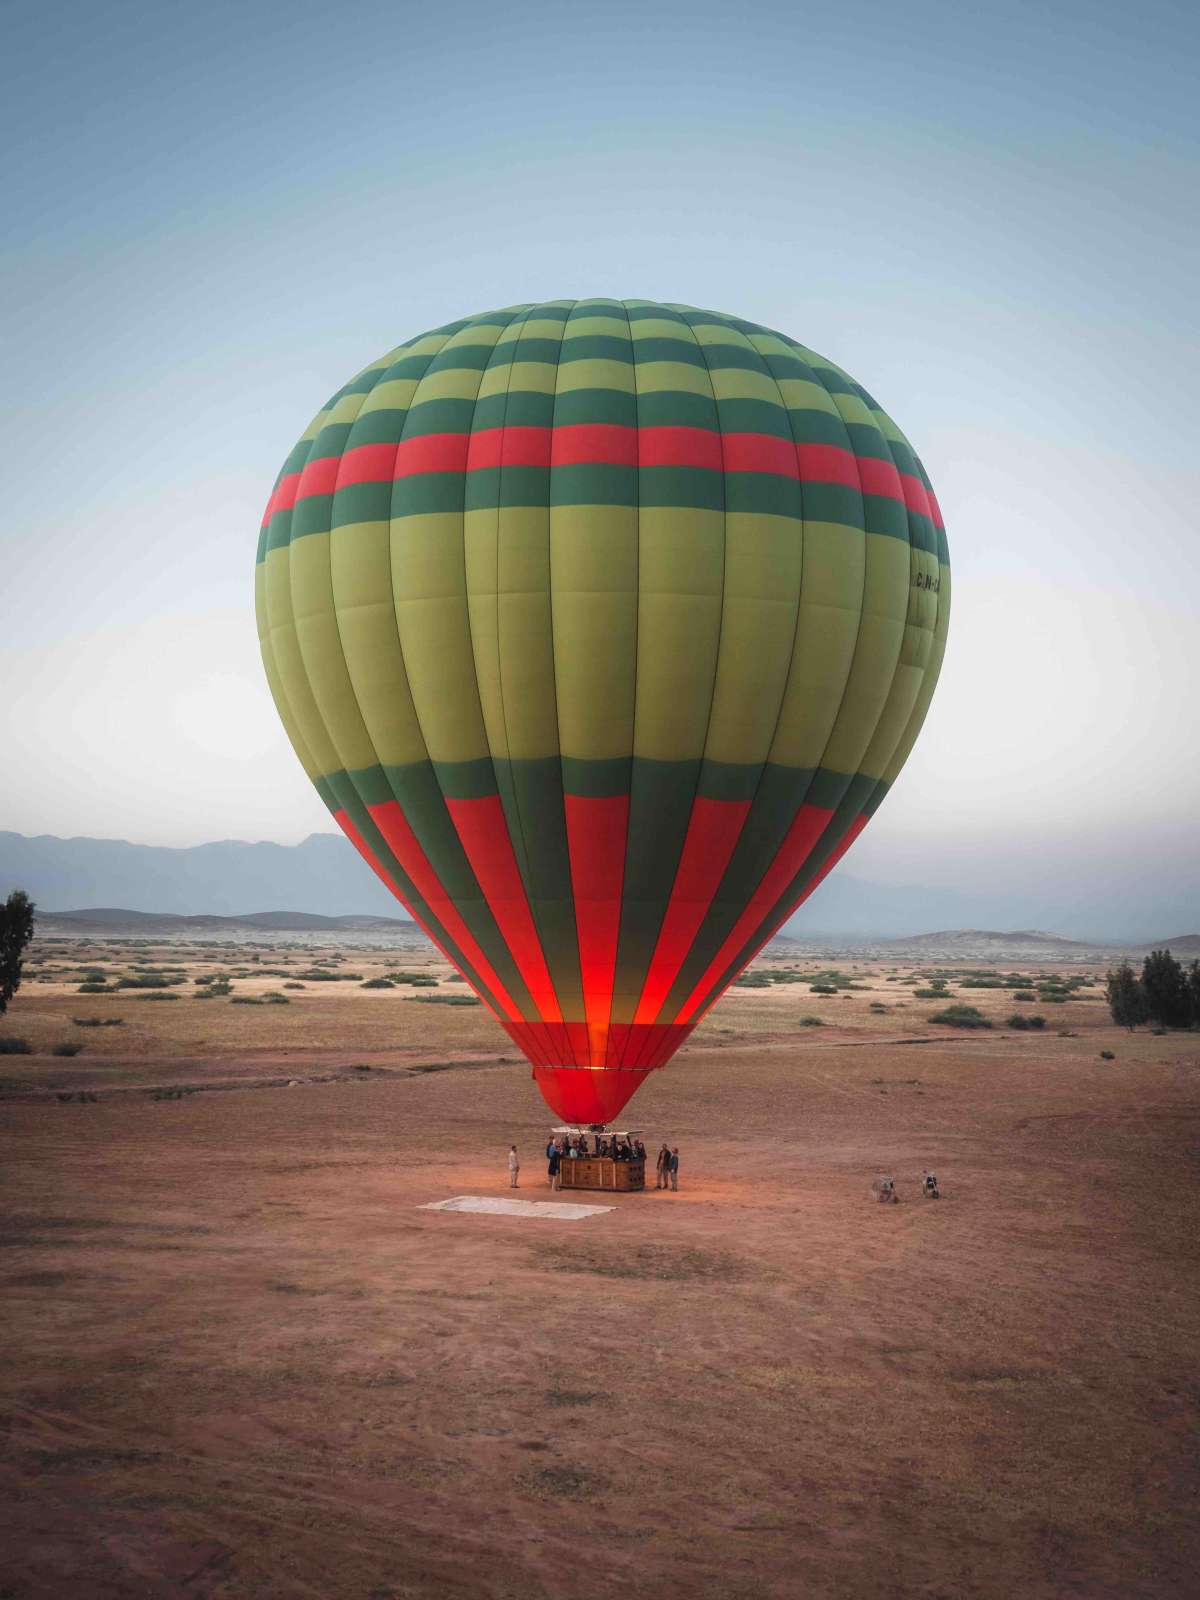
[1194, 991]
[1167, 991]
[1126, 998]
[16, 930]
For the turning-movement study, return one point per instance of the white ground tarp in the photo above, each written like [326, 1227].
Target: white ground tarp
[549, 1210]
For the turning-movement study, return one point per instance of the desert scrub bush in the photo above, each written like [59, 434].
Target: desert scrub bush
[442, 999]
[245, 1000]
[822, 988]
[1024, 994]
[147, 981]
[877, 1005]
[9, 1046]
[379, 983]
[293, 986]
[319, 975]
[752, 980]
[929, 994]
[98, 1022]
[811, 1022]
[69, 1047]
[1020, 1021]
[1107, 1055]
[961, 1017]
[157, 994]
[96, 988]
[273, 998]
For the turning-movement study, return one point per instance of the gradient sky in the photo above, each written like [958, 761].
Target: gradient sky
[213, 216]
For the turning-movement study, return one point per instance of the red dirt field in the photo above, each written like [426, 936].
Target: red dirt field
[241, 1363]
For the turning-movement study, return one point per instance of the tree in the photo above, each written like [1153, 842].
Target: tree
[1126, 997]
[1194, 992]
[16, 930]
[1165, 986]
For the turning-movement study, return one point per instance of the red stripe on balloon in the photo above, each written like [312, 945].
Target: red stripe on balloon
[483, 830]
[604, 444]
[713, 830]
[320, 477]
[509, 447]
[808, 825]
[879, 477]
[597, 827]
[404, 845]
[283, 496]
[584, 443]
[680, 447]
[430, 452]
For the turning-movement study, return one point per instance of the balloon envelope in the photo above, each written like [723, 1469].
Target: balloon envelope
[602, 628]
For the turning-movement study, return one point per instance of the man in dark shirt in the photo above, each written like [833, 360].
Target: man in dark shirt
[675, 1167]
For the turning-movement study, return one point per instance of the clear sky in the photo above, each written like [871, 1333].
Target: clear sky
[213, 215]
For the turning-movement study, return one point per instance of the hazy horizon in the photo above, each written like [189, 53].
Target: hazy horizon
[983, 217]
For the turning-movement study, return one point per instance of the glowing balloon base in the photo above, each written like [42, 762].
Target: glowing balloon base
[583, 1095]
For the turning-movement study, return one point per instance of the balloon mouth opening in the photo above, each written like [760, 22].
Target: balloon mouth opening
[583, 1095]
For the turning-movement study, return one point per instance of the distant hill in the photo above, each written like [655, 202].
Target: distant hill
[988, 944]
[985, 936]
[261, 921]
[323, 876]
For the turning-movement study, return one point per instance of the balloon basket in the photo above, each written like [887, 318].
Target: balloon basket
[601, 1172]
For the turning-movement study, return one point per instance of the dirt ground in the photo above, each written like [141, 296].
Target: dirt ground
[240, 1362]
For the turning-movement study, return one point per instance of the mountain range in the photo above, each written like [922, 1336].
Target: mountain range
[323, 877]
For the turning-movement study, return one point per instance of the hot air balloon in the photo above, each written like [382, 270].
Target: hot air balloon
[602, 627]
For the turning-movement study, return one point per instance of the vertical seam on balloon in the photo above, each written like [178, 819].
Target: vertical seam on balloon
[482, 898]
[435, 920]
[637, 640]
[816, 371]
[274, 628]
[882, 783]
[519, 315]
[331, 740]
[291, 546]
[499, 667]
[787, 677]
[910, 525]
[399, 873]
[562, 780]
[791, 658]
[732, 968]
[644, 1045]
[769, 744]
